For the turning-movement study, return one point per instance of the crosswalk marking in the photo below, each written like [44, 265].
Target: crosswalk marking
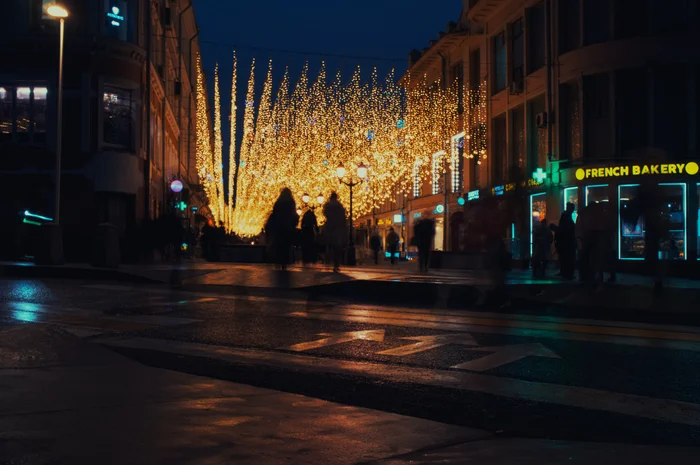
[607, 335]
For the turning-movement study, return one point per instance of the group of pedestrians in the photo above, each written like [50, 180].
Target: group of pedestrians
[282, 233]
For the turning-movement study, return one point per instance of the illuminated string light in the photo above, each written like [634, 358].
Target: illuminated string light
[218, 151]
[203, 145]
[232, 147]
[298, 140]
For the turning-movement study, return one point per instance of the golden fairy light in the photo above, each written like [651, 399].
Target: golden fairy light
[205, 166]
[218, 151]
[298, 139]
[232, 147]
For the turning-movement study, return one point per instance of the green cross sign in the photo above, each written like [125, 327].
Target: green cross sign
[539, 175]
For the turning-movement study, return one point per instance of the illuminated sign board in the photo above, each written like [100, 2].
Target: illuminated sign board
[499, 190]
[460, 201]
[440, 208]
[539, 175]
[417, 215]
[690, 168]
[398, 218]
[116, 19]
[473, 195]
[380, 222]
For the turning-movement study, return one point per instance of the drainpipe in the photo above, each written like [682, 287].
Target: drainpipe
[179, 76]
[445, 216]
[147, 167]
[549, 64]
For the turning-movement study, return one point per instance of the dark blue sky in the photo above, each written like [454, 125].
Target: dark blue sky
[267, 29]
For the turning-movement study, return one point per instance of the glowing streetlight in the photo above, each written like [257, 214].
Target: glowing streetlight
[60, 13]
[305, 198]
[361, 176]
[320, 199]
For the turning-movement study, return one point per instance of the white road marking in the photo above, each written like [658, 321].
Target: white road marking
[666, 410]
[429, 342]
[522, 330]
[504, 355]
[339, 338]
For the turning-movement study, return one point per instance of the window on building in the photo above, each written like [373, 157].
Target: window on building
[569, 25]
[118, 117]
[457, 163]
[596, 21]
[500, 64]
[535, 37]
[436, 173]
[6, 119]
[631, 18]
[517, 145]
[536, 136]
[23, 113]
[116, 19]
[458, 76]
[632, 107]
[596, 111]
[570, 130]
[417, 184]
[670, 199]
[672, 112]
[500, 155]
[517, 51]
[475, 69]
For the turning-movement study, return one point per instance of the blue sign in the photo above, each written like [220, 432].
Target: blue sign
[460, 201]
[440, 208]
[398, 218]
[473, 195]
[417, 215]
[114, 15]
[498, 190]
[539, 175]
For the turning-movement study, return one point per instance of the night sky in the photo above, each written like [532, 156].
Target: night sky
[366, 32]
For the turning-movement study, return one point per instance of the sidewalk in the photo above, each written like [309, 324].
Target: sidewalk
[391, 285]
[69, 401]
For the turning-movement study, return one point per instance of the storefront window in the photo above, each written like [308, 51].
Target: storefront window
[439, 234]
[571, 196]
[538, 212]
[597, 193]
[632, 228]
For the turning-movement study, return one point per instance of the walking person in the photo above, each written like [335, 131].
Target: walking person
[281, 228]
[392, 244]
[309, 234]
[335, 229]
[566, 243]
[424, 232]
[542, 249]
[375, 244]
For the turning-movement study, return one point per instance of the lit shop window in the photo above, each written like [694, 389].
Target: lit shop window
[670, 200]
[571, 196]
[23, 113]
[538, 213]
[596, 193]
[436, 172]
[118, 118]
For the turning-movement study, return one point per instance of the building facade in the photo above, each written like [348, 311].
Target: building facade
[582, 101]
[128, 116]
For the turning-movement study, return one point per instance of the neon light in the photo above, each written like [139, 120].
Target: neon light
[176, 186]
[499, 190]
[35, 223]
[685, 216]
[566, 200]
[473, 195]
[34, 215]
[440, 208]
[461, 201]
[398, 218]
[539, 175]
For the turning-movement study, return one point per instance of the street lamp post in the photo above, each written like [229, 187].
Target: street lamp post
[58, 12]
[306, 198]
[361, 175]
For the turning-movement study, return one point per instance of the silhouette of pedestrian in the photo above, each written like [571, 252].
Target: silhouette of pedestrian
[335, 230]
[281, 227]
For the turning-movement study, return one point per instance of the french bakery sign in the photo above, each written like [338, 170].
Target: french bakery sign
[689, 168]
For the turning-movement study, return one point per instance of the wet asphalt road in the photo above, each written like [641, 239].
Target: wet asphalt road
[520, 375]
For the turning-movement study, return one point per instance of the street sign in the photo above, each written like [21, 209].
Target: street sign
[502, 355]
[330, 339]
[429, 342]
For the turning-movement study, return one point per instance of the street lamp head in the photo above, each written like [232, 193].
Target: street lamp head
[305, 198]
[340, 171]
[362, 171]
[298, 211]
[320, 199]
[57, 11]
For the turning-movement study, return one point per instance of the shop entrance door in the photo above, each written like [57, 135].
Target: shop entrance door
[538, 212]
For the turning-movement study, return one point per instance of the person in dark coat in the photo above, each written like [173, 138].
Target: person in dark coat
[424, 232]
[375, 243]
[281, 227]
[309, 233]
[565, 240]
[392, 244]
[335, 229]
